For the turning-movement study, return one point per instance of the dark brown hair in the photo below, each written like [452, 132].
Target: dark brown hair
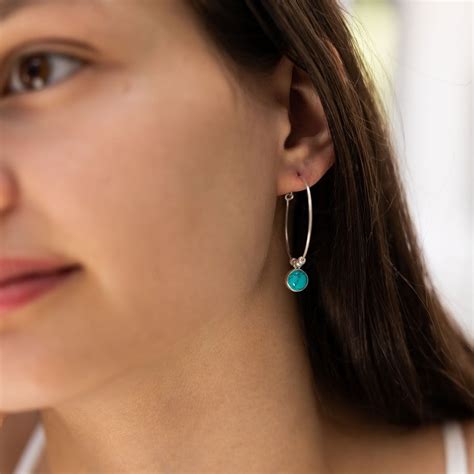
[378, 337]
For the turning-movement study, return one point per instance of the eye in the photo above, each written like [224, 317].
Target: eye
[35, 71]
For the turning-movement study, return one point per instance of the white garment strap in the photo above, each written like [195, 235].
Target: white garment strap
[454, 448]
[31, 454]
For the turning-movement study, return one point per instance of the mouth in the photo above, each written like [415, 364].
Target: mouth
[20, 290]
[36, 275]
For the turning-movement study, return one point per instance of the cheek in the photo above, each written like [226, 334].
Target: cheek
[160, 198]
[163, 193]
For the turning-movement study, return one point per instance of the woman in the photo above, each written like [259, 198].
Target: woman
[152, 149]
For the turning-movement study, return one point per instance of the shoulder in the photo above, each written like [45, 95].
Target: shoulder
[468, 430]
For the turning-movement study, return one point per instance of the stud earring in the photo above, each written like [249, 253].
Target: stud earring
[297, 279]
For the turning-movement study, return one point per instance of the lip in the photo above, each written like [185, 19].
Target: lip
[22, 281]
[16, 267]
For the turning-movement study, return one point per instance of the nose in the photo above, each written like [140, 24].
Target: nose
[8, 190]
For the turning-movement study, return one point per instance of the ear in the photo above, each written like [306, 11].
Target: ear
[308, 148]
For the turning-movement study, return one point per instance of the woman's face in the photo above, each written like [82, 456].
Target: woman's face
[148, 165]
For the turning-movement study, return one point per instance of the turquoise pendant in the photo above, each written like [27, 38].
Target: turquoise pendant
[297, 280]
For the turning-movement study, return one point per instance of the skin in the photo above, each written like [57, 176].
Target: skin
[177, 347]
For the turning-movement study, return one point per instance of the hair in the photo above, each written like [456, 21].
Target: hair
[378, 337]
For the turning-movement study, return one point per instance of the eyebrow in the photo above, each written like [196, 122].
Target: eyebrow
[11, 7]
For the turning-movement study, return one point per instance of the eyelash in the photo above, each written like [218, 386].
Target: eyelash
[44, 58]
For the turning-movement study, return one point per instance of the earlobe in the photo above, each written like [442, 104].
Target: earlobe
[308, 148]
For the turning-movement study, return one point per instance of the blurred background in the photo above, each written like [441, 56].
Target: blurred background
[421, 54]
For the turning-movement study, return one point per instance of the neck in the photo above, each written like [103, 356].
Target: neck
[237, 395]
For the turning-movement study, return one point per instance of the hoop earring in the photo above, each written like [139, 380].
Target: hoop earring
[297, 279]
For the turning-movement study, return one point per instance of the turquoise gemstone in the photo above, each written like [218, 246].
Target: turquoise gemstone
[297, 280]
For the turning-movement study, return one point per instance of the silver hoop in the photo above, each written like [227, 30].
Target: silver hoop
[297, 280]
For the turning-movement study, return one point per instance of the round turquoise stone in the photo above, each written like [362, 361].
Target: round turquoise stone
[297, 280]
